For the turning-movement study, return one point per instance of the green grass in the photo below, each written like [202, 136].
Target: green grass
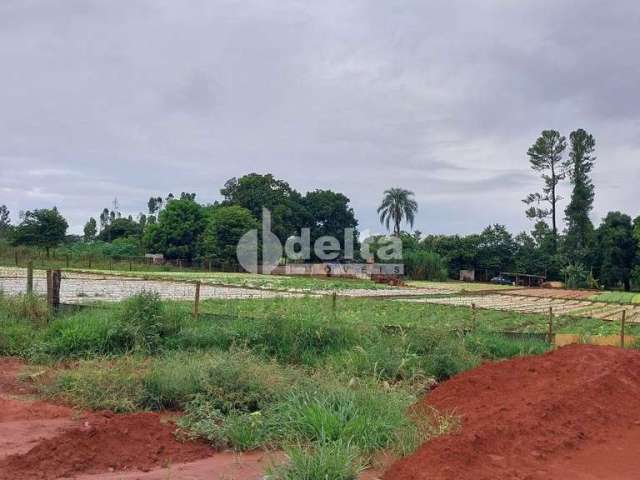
[617, 297]
[111, 384]
[392, 315]
[335, 461]
[333, 388]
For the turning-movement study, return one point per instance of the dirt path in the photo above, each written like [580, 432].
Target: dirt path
[571, 414]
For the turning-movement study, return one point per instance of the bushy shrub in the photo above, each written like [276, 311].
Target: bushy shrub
[17, 337]
[149, 320]
[235, 381]
[115, 385]
[425, 265]
[24, 307]
[240, 431]
[577, 276]
[86, 334]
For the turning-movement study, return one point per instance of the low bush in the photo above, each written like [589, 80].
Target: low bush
[24, 307]
[17, 337]
[149, 320]
[234, 381]
[86, 334]
[115, 385]
[425, 265]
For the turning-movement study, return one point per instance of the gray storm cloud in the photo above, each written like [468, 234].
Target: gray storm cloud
[104, 99]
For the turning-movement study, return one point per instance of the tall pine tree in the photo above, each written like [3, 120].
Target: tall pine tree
[579, 235]
[545, 156]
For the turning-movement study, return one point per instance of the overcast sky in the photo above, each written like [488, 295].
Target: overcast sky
[128, 99]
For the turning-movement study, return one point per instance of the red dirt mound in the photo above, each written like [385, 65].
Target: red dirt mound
[537, 418]
[105, 442]
[9, 371]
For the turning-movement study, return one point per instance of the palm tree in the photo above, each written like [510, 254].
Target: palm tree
[397, 205]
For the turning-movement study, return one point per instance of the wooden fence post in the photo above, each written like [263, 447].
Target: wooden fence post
[49, 287]
[67, 261]
[54, 278]
[550, 334]
[196, 303]
[473, 317]
[30, 277]
[622, 322]
[15, 252]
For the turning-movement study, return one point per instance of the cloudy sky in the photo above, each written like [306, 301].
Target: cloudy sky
[127, 99]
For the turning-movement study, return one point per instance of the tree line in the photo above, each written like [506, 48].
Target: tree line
[583, 255]
[180, 227]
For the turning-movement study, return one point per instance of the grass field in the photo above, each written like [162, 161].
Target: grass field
[318, 379]
[617, 297]
[290, 374]
[392, 315]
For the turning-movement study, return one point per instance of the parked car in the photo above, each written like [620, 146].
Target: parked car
[500, 280]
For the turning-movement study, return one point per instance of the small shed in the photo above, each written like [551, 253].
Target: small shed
[467, 275]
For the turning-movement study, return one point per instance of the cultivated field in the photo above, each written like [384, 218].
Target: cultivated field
[87, 288]
[296, 384]
[531, 301]
[91, 286]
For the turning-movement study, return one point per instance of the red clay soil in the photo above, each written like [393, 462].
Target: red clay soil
[570, 414]
[9, 371]
[40, 440]
[104, 442]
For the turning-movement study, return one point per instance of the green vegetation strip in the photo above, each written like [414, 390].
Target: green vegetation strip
[617, 297]
[330, 386]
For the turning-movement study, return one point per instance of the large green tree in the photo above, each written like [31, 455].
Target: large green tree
[5, 221]
[330, 214]
[528, 256]
[545, 156]
[225, 227]
[617, 248]
[255, 192]
[119, 228]
[460, 251]
[398, 205]
[177, 231]
[579, 235]
[90, 230]
[43, 227]
[496, 249]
